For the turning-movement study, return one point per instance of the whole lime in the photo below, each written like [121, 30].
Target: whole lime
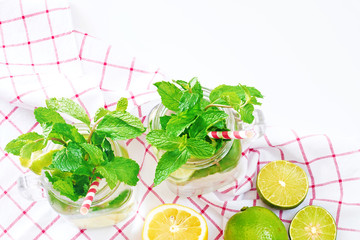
[255, 223]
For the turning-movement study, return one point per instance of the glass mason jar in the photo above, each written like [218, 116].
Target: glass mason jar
[200, 176]
[109, 206]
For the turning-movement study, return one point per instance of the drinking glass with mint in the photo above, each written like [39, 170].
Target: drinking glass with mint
[70, 157]
[192, 162]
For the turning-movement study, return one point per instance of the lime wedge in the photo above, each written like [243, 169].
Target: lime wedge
[313, 223]
[182, 174]
[282, 184]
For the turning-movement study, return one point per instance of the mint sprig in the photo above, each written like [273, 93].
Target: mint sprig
[81, 157]
[183, 133]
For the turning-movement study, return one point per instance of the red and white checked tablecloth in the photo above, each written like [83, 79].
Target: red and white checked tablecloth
[42, 56]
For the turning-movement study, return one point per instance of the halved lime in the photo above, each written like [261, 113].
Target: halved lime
[313, 223]
[282, 184]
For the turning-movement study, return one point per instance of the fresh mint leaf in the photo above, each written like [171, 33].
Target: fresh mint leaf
[169, 162]
[66, 188]
[198, 129]
[216, 95]
[108, 151]
[15, 145]
[160, 140]
[29, 148]
[120, 169]
[199, 148]
[95, 153]
[45, 115]
[122, 104]
[246, 113]
[170, 95]
[188, 101]
[195, 87]
[178, 123]
[85, 170]
[120, 126]
[129, 119]
[100, 113]
[119, 200]
[183, 84]
[68, 106]
[68, 131]
[254, 92]
[68, 159]
[81, 184]
[164, 121]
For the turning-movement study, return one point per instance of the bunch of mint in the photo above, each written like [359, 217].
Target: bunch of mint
[183, 133]
[81, 158]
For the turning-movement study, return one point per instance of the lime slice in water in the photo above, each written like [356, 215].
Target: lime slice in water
[182, 174]
[282, 184]
[313, 223]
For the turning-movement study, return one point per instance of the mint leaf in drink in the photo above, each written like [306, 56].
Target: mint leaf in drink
[15, 145]
[108, 152]
[122, 104]
[46, 115]
[206, 120]
[183, 84]
[68, 106]
[199, 148]
[68, 131]
[120, 126]
[68, 159]
[188, 101]
[120, 170]
[169, 162]
[178, 123]
[129, 119]
[100, 113]
[82, 184]
[66, 188]
[95, 153]
[164, 121]
[238, 97]
[159, 139]
[246, 113]
[170, 95]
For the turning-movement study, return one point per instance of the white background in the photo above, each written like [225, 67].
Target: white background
[304, 56]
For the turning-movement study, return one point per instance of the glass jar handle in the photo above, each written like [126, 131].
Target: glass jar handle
[30, 187]
[259, 123]
[258, 126]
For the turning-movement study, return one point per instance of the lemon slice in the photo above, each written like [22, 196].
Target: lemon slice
[314, 223]
[282, 184]
[172, 222]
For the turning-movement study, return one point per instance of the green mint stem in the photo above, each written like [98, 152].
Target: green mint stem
[59, 140]
[92, 130]
[53, 139]
[217, 105]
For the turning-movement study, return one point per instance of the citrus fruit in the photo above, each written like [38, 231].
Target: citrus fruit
[282, 184]
[312, 223]
[173, 222]
[255, 223]
[182, 174]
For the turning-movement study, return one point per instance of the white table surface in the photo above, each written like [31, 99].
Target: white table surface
[303, 55]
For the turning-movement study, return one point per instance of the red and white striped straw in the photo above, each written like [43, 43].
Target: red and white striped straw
[245, 134]
[89, 197]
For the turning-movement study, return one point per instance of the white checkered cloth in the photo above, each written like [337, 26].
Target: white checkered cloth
[42, 56]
